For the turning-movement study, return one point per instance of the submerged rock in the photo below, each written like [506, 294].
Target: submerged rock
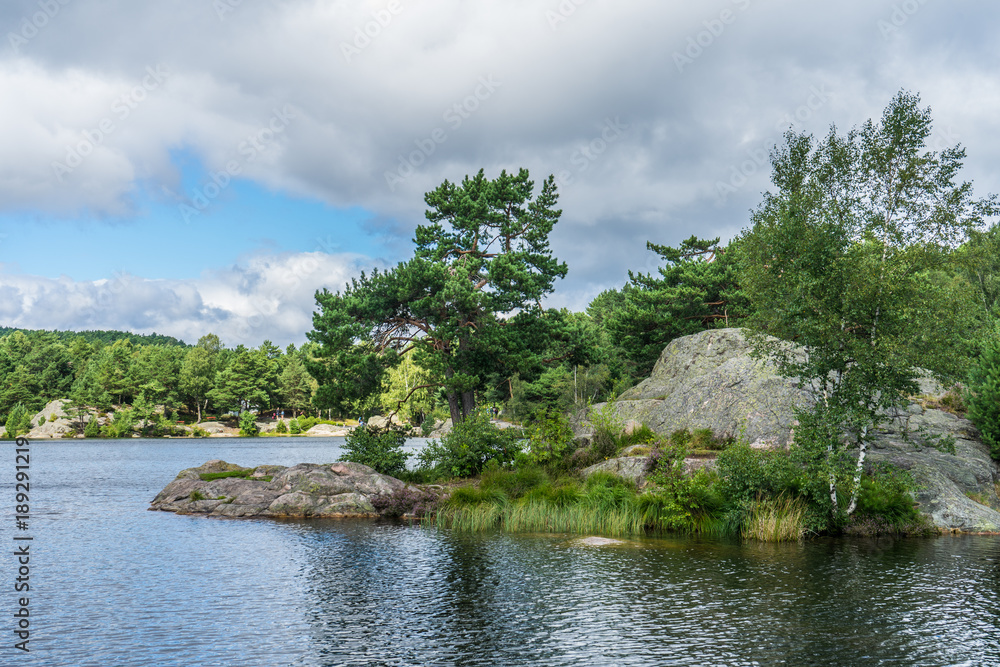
[305, 490]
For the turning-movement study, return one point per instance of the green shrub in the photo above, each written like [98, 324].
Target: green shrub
[53, 417]
[513, 483]
[887, 492]
[983, 396]
[746, 473]
[18, 422]
[294, 427]
[248, 425]
[549, 437]
[199, 432]
[306, 422]
[381, 450]
[467, 448]
[607, 432]
[92, 428]
[196, 495]
[282, 427]
[121, 425]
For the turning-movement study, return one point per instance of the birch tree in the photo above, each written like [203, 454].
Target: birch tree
[836, 261]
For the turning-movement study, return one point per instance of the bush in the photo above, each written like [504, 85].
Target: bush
[381, 450]
[248, 425]
[18, 422]
[746, 473]
[294, 427]
[513, 483]
[549, 437]
[467, 448]
[983, 396]
[121, 424]
[282, 427]
[92, 429]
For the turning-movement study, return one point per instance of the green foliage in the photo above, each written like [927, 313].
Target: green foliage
[196, 495]
[515, 483]
[198, 432]
[465, 304]
[842, 260]
[983, 396]
[294, 427]
[746, 473]
[780, 519]
[549, 437]
[281, 427]
[607, 431]
[381, 450]
[240, 474]
[248, 425]
[469, 446]
[121, 425]
[18, 422]
[887, 493]
[696, 289]
[92, 429]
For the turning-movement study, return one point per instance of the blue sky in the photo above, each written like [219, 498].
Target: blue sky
[307, 132]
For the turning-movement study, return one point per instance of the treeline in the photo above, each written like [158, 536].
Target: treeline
[104, 337]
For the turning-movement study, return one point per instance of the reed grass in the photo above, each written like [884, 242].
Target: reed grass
[780, 519]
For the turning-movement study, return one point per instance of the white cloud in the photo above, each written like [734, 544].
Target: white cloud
[563, 67]
[264, 297]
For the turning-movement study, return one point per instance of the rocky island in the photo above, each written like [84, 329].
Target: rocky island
[706, 380]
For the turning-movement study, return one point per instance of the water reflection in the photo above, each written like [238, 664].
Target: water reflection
[117, 585]
[398, 595]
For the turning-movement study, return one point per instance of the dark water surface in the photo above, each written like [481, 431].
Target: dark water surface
[114, 584]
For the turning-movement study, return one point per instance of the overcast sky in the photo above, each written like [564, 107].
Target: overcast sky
[199, 166]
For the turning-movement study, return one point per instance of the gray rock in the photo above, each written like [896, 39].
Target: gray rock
[708, 380]
[304, 490]
[628, 467]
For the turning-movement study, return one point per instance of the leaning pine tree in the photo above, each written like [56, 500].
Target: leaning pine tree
[836, 262]
[467, 305]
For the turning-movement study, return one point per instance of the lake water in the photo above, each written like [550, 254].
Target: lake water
[115, 584]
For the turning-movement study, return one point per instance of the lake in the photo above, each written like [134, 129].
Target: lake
[114, 584]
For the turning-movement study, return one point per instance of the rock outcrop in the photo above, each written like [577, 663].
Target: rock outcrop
[709, 380]
[305, 490]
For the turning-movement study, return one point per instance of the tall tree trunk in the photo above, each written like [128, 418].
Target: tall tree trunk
[468, 403]
[862, 451]
[453, 408]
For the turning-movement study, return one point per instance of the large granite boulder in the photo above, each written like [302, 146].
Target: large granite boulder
[709, 380]
[304, 490]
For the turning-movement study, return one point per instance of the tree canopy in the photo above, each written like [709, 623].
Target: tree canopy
[466, 305]
[841, 260]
